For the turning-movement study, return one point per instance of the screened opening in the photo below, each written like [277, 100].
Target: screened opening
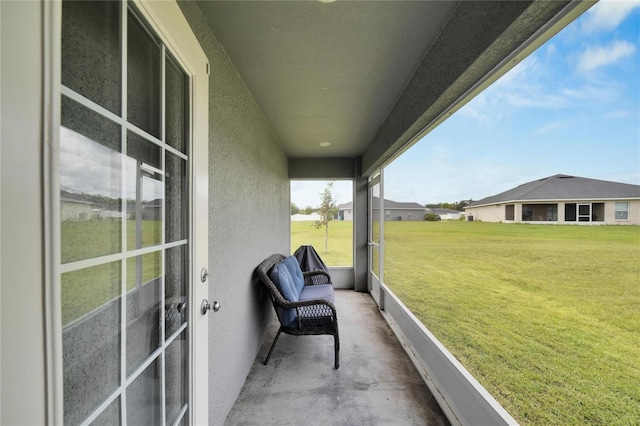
[513, 302]
[322, 216]
[539, 212]
[597, 212]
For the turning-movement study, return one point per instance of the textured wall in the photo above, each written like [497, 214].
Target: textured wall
[249, 219]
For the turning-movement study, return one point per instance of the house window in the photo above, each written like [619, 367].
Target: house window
[509, 212]
[570, 212]
[622, 211]
[539, 212]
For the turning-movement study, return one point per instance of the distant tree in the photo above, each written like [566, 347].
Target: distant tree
[431, 217]
[327, 211]
[307, 210]
[294, 209]
[458, 205]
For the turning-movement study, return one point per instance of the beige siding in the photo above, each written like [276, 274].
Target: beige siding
[496, 212]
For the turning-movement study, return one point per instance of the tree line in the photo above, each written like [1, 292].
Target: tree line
[457, 206]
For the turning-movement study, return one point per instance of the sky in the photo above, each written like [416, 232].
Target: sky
[572, 107]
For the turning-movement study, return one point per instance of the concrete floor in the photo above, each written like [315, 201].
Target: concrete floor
[376, 384]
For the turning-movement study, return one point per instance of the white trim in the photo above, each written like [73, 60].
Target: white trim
[121, 121]
[101, 260]
[52, 22]
[186, 52]
[180, 416]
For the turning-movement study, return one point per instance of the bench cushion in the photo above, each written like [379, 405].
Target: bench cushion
[293, 266]
[281, 276]
[322, 291]
[284, 281]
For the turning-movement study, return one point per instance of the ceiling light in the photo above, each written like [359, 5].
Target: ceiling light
[323, 144]
[326, 1]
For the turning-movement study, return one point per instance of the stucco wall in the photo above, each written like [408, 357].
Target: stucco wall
[248, 220]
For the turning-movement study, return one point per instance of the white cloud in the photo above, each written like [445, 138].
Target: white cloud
[600, 56]
[551, 127]
[608, 14]
[524, 86]
[620, 114]
[87, 166]
[307, 193]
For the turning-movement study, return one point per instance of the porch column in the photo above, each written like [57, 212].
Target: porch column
[360, 230]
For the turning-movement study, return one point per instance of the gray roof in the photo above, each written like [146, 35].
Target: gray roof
[564, 187]
[388, 204]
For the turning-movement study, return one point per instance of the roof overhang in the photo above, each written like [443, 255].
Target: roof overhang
[365, 80]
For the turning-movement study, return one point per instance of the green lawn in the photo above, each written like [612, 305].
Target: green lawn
[339, 243]
[87, 289]
[546, 317]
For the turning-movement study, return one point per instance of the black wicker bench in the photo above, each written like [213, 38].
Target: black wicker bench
[303, 301]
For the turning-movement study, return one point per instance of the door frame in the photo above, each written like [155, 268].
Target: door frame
[375, 281]
[173, 29]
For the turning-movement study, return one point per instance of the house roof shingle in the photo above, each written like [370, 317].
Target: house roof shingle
[563, 187]
[388, 204]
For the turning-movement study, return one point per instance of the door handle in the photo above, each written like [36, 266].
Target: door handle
[206, 306]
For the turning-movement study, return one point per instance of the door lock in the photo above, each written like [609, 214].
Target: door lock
[206, 306]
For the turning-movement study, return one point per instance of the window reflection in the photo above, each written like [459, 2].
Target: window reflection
[90, 179]
[143, 78]
[145, 192]
[143, 307]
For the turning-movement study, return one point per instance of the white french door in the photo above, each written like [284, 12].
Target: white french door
[132, 219]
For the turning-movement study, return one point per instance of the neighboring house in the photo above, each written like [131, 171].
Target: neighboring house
[393, 210]
[562, 199]
[77, 210]
[305, 217]
[446, 214]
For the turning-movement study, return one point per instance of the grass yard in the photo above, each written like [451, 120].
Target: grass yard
[340, 241]
[87, 289]
[546, 317]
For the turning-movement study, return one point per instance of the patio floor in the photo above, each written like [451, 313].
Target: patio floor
[376, 384]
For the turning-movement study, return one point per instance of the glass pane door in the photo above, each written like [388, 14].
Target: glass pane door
[584, 212]
[124, 229]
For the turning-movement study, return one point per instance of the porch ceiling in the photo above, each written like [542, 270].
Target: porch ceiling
[367, 76]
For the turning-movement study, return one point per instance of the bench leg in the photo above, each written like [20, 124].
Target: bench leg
[336, 345]
[273, 345]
